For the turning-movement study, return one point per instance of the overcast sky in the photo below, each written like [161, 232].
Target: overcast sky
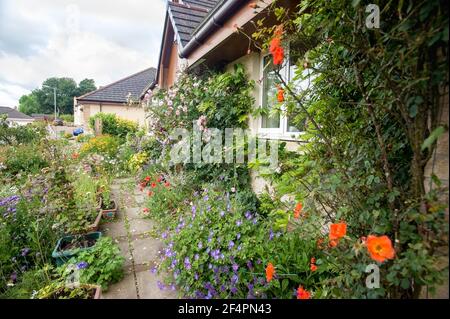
[105, 40]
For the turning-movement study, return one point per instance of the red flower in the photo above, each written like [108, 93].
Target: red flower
[153, 185]
[147, 178]
[380, 248]
[150, 193]
[297, 210]
[302, 293]
[338, 231]
[313, 260]
[333, 243]
[167, 184]
[146, 210]
[270, 271]
[280, 95]
[274, 44]
[313, 267]
[276, 50]
[159, 179]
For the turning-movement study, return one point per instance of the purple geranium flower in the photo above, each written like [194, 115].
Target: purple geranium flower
[239, 223]
[230, 244]
[187, 263]
[235, 267]
[82, 265]
[25, 251]
[161, 286]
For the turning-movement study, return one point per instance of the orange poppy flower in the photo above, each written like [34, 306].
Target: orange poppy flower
[297, 210]
[338, 230]
[313, 267]
[276, 50]
[270, 271]
[75, 155]
[380, 248]
[303, 294]
[280, 95]
[333, 243]
[278, 56]
[274, 44]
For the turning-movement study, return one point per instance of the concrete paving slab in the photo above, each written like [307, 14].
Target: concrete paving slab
[124, 289]
[145, 250]
[140, 226]
[133, 213]
[148, 287]
[139, 199]
[114, 229]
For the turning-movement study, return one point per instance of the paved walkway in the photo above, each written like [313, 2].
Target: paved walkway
[133, 234]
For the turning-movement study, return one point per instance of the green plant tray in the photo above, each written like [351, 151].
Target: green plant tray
[61, 257]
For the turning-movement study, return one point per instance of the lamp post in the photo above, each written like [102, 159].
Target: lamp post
[54, 97]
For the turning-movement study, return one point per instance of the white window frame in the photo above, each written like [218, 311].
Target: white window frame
[281, 132]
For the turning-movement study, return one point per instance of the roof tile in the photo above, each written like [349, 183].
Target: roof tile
[119, 91]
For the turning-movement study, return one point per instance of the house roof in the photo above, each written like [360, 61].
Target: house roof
[187, 16]
[118, 92]
[14, 114]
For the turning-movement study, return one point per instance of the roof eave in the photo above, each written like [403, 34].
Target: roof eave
[212, 22]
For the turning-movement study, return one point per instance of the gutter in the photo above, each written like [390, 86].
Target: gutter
[214, 22]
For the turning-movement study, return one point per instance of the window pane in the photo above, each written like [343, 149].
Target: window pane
[291, 127]
[269, 92]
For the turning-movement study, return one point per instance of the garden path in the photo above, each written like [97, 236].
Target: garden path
[138, 245]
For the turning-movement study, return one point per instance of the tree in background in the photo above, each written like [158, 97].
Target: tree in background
[42, 101]
[29, 104]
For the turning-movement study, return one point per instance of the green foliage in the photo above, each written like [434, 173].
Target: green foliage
[41, 100]
[114, 125]
[102, 144]
[29, 104]
[22, 159]
[67, 118]
[366, 141]
[105, 264]
[14, 135]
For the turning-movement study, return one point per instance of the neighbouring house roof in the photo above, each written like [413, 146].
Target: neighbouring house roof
[13, 114]
[119, 91]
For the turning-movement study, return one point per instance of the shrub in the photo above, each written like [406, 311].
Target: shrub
[103, 144]
[114, 125]
[210, 245]
[102, 265]
[137, 160]
[13, 135]
[26, 158]
[67, 118]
